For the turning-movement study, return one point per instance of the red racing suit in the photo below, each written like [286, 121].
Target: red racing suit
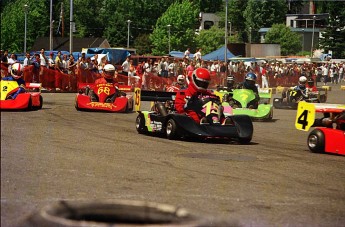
[182, 97]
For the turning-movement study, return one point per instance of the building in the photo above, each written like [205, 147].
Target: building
[309, 26]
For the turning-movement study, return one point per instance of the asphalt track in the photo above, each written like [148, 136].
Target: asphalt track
[58, 153]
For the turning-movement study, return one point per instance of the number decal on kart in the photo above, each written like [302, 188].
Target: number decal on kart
[303, 119]
[244, 96]
[137, 98]
[293, 93]
[4, 88]
[210, 107]
[106, 90]
[305, 116]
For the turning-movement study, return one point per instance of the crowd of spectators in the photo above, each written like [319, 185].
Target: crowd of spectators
[167, 67]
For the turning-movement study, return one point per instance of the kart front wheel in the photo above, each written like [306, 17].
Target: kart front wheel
[316, 141]
[140, 124]
[171, 129]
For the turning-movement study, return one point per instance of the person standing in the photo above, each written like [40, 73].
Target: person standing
[187, 53]
[264, 81]
[198, 56]
[125, 66]
[27, 60]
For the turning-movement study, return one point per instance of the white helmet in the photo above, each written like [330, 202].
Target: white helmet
[181, 79]
[17, 70]
[109, 71]
[109, 68]
[302, 80]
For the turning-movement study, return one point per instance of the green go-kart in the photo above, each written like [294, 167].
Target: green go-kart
[243, 102]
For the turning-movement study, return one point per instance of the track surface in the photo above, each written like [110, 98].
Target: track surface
[59, 153]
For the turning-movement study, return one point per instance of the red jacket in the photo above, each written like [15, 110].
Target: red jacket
[182, 97]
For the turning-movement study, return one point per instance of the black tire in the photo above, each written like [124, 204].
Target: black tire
[41, 102]
[76, 106]
[270, 117]
[171, 129]
[316, 141]
[30, 105]
[122, 213]
[244, 140]
[140, 124]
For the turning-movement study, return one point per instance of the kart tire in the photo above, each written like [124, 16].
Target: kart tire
[41, 104]
[171, 129]
[121, 213]
[76, 106]
[245, 140]
[140, 124]
[30, 107]
[316, 141]
[270, 117]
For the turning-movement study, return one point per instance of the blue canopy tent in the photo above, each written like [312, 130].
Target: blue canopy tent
[115, 56]
[218, 54]
[179, 54]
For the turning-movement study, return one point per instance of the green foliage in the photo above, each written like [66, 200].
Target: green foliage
[289, 41]
[210, 40]
[333, 37]
[236, 17]
[13, 24]
[211, 6]
[143, 45]
[263, 13]
[182, 18]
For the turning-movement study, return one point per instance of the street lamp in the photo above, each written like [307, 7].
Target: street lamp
[26, 13]
[226, 32]
[128, 22]
[169, 26]
[250, 34]
[229, 30]
[51, 26]
[312, 37]
[303, 39]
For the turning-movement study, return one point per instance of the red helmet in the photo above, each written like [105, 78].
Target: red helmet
[201, 78]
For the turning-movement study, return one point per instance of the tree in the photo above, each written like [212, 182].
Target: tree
[333, 38]
[210, 6]
[13, 24]
[210, 40]
[182, 17]
[289, 41]
[264, 13]
[236, 17]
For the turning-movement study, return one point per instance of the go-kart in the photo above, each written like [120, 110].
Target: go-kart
[104, 97]
[29, 100]
[164, 120]
[329, 134]
[290, 98]
[243, 102]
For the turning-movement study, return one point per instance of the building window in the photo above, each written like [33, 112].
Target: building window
[208, 24]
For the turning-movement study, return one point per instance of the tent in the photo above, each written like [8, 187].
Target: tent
[179, 54]
[218, 54]
[115, 56]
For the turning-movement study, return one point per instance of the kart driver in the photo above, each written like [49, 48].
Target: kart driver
[16, 75]
[107, 78]
[311, 86]
[186, 100]
[300, 87]
[181, 81]
[250, 83]
[329, 119]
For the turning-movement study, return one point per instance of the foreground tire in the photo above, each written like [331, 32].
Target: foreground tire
[244, 140]
[316, 141]
[171, 129]
[140, 124]
[119, 213]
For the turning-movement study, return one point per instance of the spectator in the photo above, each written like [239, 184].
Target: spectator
[37, 64]
[198, 56]
[27, 60]
[264, 81]
[43, 58]
[187, 53]
[51, 62]
[125, 67]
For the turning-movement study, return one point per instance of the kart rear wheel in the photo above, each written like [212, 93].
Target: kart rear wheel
[245, 140]
[316, 141]
[140, 124]
[41, 103]
[171, 129]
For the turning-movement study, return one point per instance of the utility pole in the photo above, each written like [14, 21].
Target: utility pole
[71, 25]
[51, 26]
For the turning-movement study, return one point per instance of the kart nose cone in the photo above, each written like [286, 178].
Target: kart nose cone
[312, 141]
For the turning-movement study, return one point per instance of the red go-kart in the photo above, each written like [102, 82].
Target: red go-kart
[329, 133]
[29, 100]
[104, 97]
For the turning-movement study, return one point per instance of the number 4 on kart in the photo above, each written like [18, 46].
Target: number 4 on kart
[305, 116]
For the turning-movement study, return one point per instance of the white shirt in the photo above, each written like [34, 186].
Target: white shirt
[125, 66]
[43, 60]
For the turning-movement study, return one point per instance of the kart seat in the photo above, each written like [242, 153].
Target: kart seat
[160, 107]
